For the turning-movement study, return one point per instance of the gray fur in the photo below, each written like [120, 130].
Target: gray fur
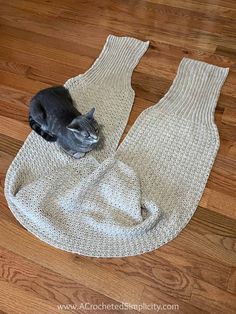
[54, 117]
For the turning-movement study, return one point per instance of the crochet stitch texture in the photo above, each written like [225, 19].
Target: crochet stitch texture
[132, 200]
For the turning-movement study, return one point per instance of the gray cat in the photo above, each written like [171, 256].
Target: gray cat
[53, 116]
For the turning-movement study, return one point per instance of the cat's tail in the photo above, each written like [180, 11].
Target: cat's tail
[37, 128]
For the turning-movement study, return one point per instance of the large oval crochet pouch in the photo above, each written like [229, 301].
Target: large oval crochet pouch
[123, 202]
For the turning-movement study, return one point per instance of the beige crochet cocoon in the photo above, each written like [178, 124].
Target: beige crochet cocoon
[130, 200]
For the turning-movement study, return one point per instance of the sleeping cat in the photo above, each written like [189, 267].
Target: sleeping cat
[53, 116]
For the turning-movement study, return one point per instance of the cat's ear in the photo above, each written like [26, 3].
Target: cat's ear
[90, 114]
[74, 125]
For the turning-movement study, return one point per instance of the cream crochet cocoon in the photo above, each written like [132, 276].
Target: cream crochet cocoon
[130, 200]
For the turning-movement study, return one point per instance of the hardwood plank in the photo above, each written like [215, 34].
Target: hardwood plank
[13, 67]
[42, 50]
[174, 269]
[118, 288]
[211, 234]
[10, 145]
[222, 177]
[156, 296]
[226, 148]
[232, 281]
[18, 301]
[232, 151]
[222, 3]
[34, 7]
[12, 128]
[47, 285]
[213, 299]
[206, 43]
[205, 8]
[229, 116]
[6, 160]
[219, 202]
[19, 82]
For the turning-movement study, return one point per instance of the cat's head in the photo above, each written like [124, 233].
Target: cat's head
[85, 128]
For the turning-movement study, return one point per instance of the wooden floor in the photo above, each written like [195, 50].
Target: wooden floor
[45, 42]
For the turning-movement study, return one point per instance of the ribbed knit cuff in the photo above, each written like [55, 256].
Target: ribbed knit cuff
[119, 57]
[195, 91]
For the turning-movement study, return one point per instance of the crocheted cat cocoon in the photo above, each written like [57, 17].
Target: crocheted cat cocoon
[130, 200]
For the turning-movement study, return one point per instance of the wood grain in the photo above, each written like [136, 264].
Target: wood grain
[43, 43]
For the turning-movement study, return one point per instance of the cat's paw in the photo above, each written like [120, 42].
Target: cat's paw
[78, 155]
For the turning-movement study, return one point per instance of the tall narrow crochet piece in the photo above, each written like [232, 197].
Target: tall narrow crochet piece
[132, 200]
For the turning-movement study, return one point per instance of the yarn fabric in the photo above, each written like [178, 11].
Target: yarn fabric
[130, 200]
